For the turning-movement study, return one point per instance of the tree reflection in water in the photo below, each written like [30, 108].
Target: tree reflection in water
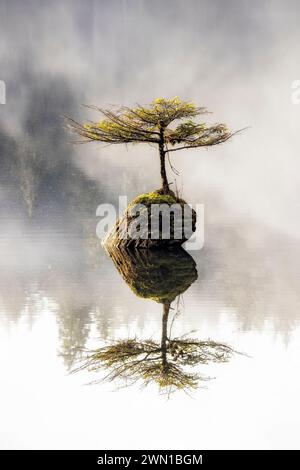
[161, 276]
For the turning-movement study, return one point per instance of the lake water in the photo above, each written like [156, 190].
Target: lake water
[61, 294]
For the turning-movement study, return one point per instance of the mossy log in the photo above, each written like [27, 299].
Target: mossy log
[142, 227]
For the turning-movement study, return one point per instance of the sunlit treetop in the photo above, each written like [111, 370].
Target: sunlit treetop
[169, 123]
[151, 123]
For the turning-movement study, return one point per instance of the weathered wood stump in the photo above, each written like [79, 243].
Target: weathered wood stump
[153, 220]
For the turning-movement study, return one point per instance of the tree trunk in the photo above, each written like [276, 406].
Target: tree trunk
[164, 336]
[162, 155]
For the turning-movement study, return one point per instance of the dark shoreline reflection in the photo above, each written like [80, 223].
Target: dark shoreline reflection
[162, 276]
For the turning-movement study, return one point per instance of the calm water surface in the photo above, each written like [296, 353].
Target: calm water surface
[61, 293]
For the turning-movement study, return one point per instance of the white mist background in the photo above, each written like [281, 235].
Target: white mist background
[238, 59]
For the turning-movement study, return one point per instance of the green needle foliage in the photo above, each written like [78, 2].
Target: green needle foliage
[154, 124]
[169, 364]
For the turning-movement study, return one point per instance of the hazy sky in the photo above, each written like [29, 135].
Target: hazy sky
[235, 57]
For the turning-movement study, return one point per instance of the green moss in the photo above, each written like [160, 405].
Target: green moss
[153, 198]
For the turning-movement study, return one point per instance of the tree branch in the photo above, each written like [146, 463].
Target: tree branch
[207, 144]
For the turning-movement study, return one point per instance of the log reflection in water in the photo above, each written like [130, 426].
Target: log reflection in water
[161, 276]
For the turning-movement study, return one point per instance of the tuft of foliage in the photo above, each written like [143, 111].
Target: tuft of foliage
[147, 123]
[168, 364]
[155, 124]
